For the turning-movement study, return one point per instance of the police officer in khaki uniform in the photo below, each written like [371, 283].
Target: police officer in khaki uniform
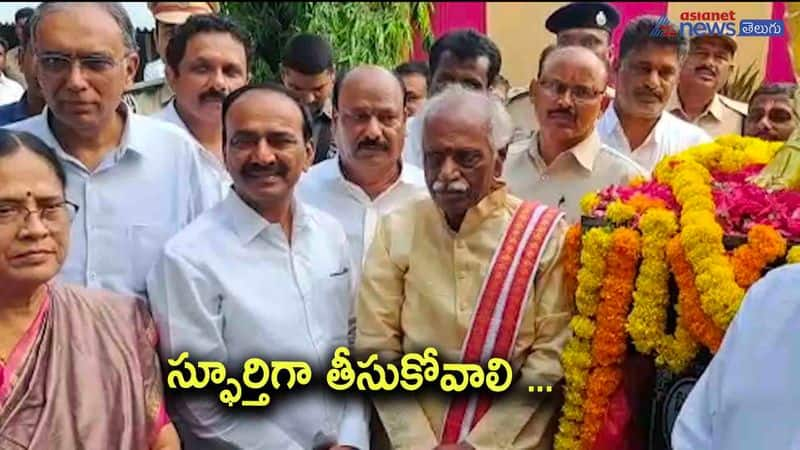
[704, 72]
[565, 158]
[585, 24]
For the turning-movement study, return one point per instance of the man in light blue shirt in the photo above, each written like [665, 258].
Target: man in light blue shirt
[261, 275]
[748, 396]
[136, 181]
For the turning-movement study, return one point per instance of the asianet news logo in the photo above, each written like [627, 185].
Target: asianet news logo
[695, 23]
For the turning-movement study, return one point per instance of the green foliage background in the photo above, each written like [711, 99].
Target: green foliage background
[360, 32]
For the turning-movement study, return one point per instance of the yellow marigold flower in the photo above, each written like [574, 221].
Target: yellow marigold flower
[793, 257]
[619, 213]
[589, 202]
[582, 326]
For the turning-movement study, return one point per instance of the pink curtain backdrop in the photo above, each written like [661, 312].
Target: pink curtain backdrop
[630, 10]
[779, 63]
[453, 15]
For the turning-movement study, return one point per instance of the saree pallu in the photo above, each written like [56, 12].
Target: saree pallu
[90, 380]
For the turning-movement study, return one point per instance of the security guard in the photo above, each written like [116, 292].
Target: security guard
[697, 99]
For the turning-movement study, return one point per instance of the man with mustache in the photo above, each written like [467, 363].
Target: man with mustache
[771, 115]
[584, 24]
[434, 277]
[565, 159]
[207, 58]
[463, 57]
[704, 72]
[137, 181]
[261, 275]
[32, 102]
[367, 178]
[647, 68]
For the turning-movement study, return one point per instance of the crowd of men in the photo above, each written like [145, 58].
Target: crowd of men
[388, 210]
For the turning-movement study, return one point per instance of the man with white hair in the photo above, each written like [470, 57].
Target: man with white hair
[472, 268]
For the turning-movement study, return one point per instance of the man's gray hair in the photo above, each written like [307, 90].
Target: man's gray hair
[114, 9]
[501, 128]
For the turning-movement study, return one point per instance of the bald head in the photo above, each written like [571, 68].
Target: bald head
[375, 78]
[568, 96]
[369, 121]
[579, 58]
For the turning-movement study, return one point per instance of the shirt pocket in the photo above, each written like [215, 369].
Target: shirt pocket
[333, 297]
[147, 242]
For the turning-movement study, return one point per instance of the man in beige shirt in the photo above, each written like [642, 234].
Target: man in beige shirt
[565, 159]
[423, 285]
[696, 99]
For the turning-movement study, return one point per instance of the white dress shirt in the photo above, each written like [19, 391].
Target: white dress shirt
[670, 135]
[140, 194]
[230, 287]
[10, 90]
[412, 149]
[223, 179]
[748, 396]
[326, 188]
[154, 70]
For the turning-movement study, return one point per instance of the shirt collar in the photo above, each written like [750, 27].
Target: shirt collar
[585, 152]
[715, 109]
[326, 111]
[405, 177]
[609, 125]
[249, 224]
[486, 208]
[133, 139]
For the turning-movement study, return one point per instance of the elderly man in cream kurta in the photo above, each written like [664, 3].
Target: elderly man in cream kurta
[423, 281]
[565, 159]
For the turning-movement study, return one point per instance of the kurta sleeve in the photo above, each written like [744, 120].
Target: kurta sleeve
[378, 329]
[187, 308]
[503, 423]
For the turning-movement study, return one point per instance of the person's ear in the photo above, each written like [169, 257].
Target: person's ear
[310, 154]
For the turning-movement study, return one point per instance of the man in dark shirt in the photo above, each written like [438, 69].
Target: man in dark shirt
[32, 101]
[307, 70]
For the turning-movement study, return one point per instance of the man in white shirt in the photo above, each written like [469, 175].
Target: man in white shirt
[565, 159]
[648, 66]
[367, 178]
[137, 181]
[465, 57]
[261, 275]
[10, 90]
[207, 58]
[747, 398]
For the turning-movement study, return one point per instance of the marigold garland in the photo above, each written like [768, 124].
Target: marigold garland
[647, 321]
[764, 246]
[793, 257]
[620, 213]
[610, 340]
[572, 255]
[702, 235]
[691, 315]
[576, 359]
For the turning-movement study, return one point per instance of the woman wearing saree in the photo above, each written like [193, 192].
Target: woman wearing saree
[78, 368]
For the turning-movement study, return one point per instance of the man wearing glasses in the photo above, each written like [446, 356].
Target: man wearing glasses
[565, 158]
[771, 115]
[137, 181]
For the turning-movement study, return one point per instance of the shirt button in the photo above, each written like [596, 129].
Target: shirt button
[92, 276]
